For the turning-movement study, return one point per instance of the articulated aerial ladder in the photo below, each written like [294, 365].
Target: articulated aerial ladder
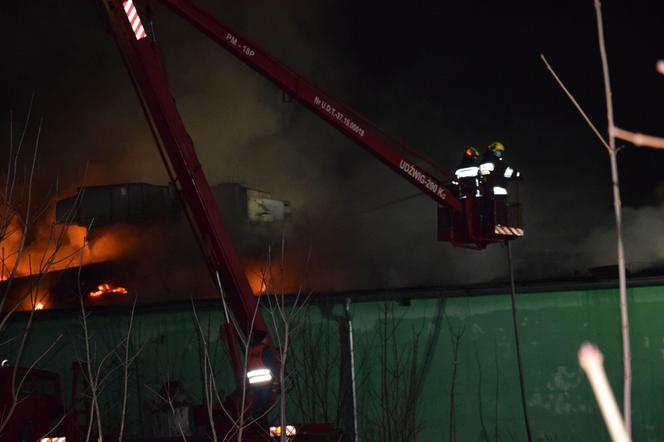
[464, 220]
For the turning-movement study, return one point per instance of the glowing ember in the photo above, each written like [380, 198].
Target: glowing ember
[105, 288]
[39, 306]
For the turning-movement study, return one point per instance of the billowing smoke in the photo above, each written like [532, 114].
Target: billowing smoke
[244, 132]
[441, 93]
[644, 247]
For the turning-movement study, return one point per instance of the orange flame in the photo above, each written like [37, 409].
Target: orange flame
[271, 279]
[56, 247]
[257, 276]
[105, 288]
[34, 299]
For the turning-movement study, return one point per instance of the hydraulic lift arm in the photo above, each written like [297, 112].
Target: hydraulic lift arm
[143, 60]
[465, 222]
[142, 57]
[341, 117]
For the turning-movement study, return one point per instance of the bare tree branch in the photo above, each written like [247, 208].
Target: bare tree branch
[576, 103]
[92, 380]
[591, 361]
[617, 206]
[169, 400]
[126, 363]
[638, 139]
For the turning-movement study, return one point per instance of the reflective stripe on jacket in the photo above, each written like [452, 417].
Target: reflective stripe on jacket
[257, 371]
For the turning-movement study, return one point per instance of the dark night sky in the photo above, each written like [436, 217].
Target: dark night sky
[440, 75]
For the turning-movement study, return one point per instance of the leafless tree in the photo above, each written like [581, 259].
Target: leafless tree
[212, 396]
[98, 370]
[285, 312]
[612, 150]
[318, 388]
[238, 418]
[169, 400]
[126, 362]
[20, 215]
[395, 392]
[455, 341]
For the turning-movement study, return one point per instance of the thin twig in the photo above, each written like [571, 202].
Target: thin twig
[208, 375]
[576, 103]
[92, 381]
[126, 371]
[169, 400]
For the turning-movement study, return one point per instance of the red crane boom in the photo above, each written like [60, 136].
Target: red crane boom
[143, 60]
[142, 57]
[335, 113]
[470, 222]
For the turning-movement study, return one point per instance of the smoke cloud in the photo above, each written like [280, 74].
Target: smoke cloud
[436, 84]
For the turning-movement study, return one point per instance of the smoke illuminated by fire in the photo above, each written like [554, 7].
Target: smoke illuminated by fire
[49, 246]
[46, 247]
[257, 280]
[272, 279]
[106, 288]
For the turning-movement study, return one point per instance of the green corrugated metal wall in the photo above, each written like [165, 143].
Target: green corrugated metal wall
[453, 358]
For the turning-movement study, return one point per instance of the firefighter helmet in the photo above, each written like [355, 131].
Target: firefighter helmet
[471, 152]
[497, 147]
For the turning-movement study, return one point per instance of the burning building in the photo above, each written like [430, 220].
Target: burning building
[113, 243]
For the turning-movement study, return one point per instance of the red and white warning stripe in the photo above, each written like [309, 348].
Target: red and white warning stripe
[53, 439]
[134, 19]
[512, 231]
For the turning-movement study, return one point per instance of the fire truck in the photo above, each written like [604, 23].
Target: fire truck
[464, 219]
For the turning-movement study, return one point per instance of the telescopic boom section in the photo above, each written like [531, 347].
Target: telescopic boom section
[144, 63]
[338, 115]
